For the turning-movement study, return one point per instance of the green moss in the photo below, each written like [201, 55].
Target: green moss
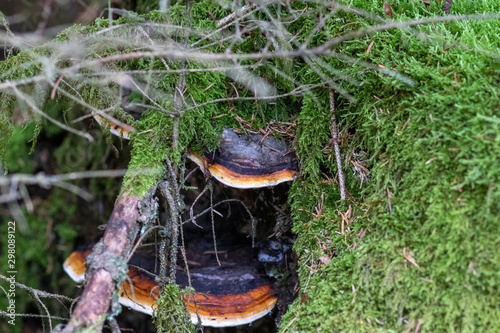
[147, 164]
[435, 148]
[17, 150]
[170, 314]
[31, 252]
[35, 257]
[313, 133]
[14, 68]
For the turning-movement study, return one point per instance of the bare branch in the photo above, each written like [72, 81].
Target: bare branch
[336, 139]
[237, 13]
[14, 181]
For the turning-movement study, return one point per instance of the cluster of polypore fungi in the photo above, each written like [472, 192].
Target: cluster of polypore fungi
[223, 297]
[235, 295]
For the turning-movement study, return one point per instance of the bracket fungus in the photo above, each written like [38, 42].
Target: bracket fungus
[241, 161]
[224, 296]
[249, 161]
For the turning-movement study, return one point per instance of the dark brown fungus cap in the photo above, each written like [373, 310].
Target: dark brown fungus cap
[224, 296]
[249, 161]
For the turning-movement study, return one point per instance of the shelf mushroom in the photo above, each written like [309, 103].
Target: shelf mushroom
[224, 297]
[249, 161]
[241, 161]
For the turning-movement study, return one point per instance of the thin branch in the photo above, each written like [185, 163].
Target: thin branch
[299, 91]
[324, 49]
[336, 139]
[191, 214]
[235, 14]
[29, 315]
[210, 186]
[173, 227]
[46, 181]
[39, 293]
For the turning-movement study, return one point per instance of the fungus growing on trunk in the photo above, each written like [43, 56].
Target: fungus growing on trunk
[249, 161]
[241, 161]
[228, 296]
[225, 295]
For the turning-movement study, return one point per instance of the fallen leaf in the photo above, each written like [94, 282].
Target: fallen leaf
[324, 260]
[388, 9]
[409, 257]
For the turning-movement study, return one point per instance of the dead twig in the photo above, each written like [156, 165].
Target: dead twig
[335, 139]
[419, 323]
[410, 326]
[409, 256]
[13, 186]
[237, 13]
[389, 199]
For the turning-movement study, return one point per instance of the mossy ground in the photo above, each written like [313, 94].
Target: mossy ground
[421, 245]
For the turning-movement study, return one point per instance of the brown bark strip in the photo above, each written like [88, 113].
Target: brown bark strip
[336, 139]
[91, 310]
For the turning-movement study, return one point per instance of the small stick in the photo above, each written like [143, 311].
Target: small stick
[419, 323]
[213, 223]
[370, 47]
[232, 16]
[237, 95]
[191, 214]
[335, 137]
[410, 327]
[54, 89]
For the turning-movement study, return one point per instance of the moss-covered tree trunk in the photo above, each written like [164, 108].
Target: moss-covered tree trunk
[415, 245]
